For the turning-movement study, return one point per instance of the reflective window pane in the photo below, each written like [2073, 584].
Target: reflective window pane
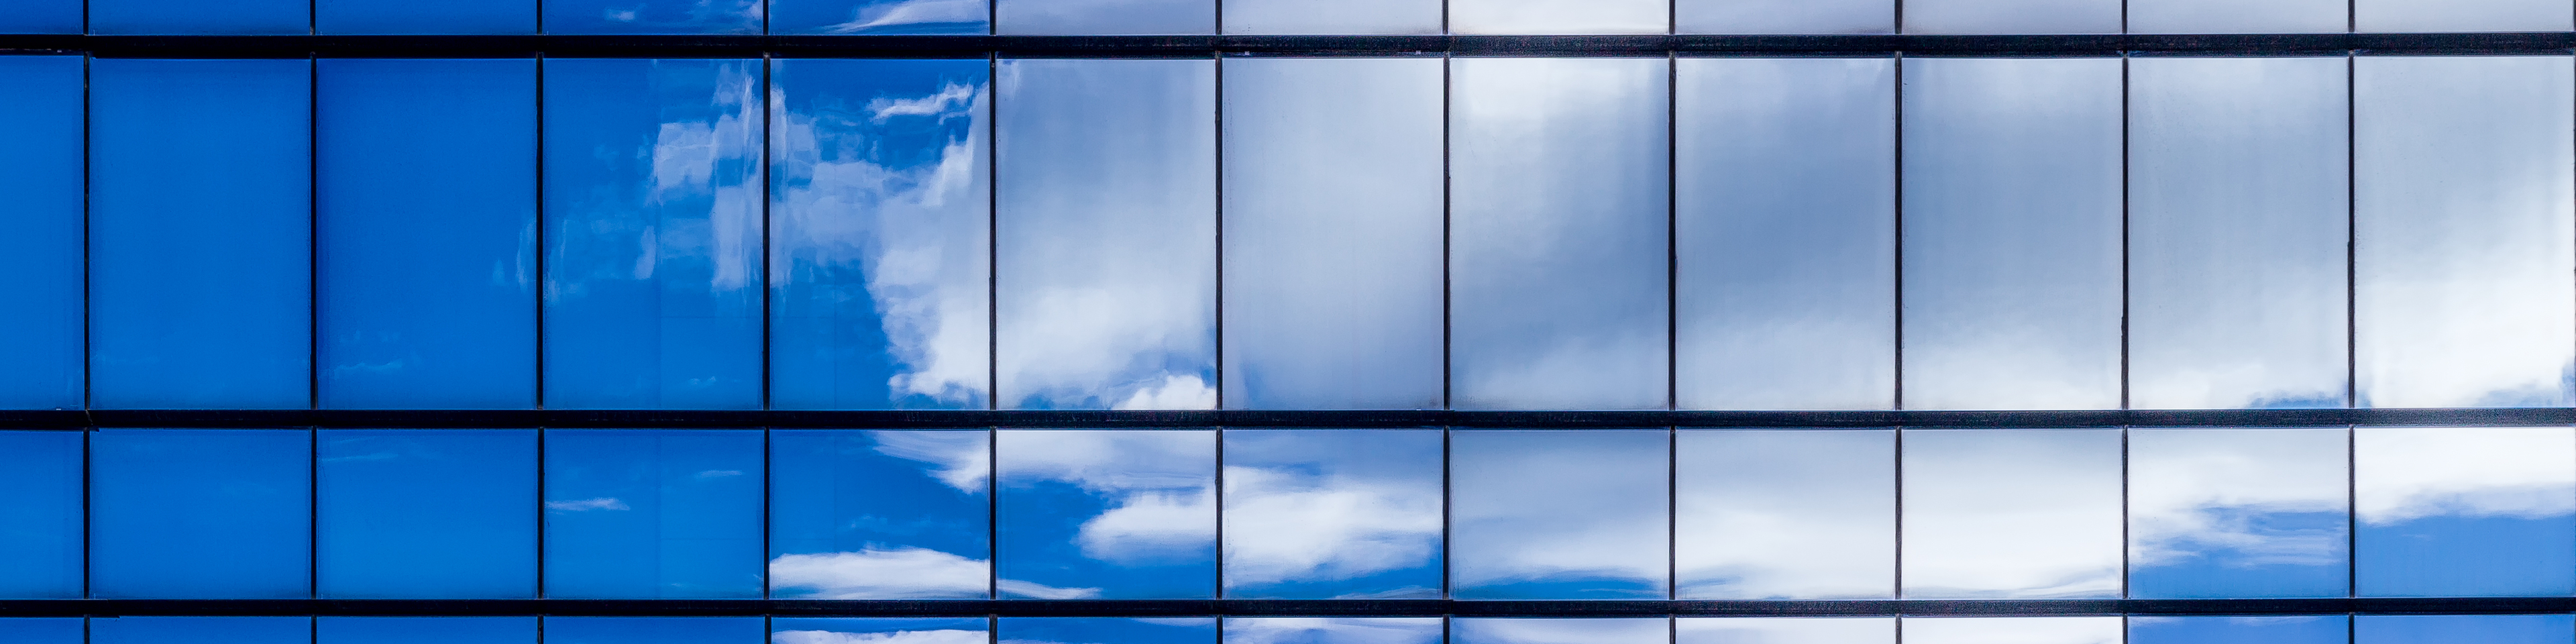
[201, 630]
[1784, 630]
[2012, 630]
[1333, 216]
[2012, 17]
[1332, 630]
[428, 202]
[1558, 16]
[1511, 630]
[1559, 514]
[654, 630]
[425, 630]
[652, 215]
[653, 513]
[2323, 629]
[880, 234]
[875, 17]
[2238, 513]
[1332, 16]
[872, 630]
[192, 17]
[2011, 513]
[1785, 514]
[40, 517]
[1786, 233]
[200, 513]
[2457, 629]
[40, 17]
[2236, 16]
[43, 630]
[200, 233]
[1105, 17]
[880, 514]
[40, 240]
[2012, 233]
[427, 513]
[1784, 17]
[2464, 231]
[2464, 511]
[1106, 514]
[652, 16]
[1332, 513]
[2460, 15]
[1558, 226]
[1107, 234]
[1109, 630]
[443, 17]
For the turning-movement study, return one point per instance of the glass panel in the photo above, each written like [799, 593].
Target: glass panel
[201, 513]
[1786, 233]
[881, 230]
[2012, 233]
[443, 17]
[1333, 513]
[43, 630]
[880, 514]
[193, 17]
[428, 196]
[879, 630]
[652, 214]
[1558, 16]
[1559, 514]
[2011, 513]
[2012, 630]
[2011, 17]
[1558, 233]
[1106, 514]
[2236, 16]
[1332, 630]
[2238, 513]
[426, 630]
[40, 240]
[1109, 630]
[2454, 629]
[2237, 223]
[653, 630]
[2465, 511]
[2458, 15]
[647, 513]
[1105, 17]
[2323, 629]
[2464, 231]
[200, 233]
[40, 517]
[39, 17]
[652, 17]
[1784, 17]
[1785, 514]
[951, 17]
[201, 630]
[428, 513]
[1332, 16]
[1785, 630]
[1107, 229]
[1333, 217]
[1509, 630]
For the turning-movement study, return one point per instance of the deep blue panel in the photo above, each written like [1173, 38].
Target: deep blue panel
[652, 16]
[879, 16]
[880, 514]
[654, 630]
[2463, 629]
[200, 233]
[427, 513]
[2323, 629]
[1109, 630]
[40, 515]
[40, 17]
[41, 630]
[652, 216]
[881, 224]
[201, 630]
[426, 630]
[2466, 556]
[200, 513]
[428, 201]
[199, 17]
[441, 17]
[40, 239]
[653, 513]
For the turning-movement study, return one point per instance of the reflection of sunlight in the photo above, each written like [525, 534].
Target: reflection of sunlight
[1286, 526]
[2407, 473]
[897, 573]
[943, 636]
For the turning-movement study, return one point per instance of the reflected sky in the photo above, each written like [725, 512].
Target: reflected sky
[951, 17]
[2011, 513]
[2324, 629]
[880, 234]
[41, 164]
[2465, 511]
[1332, 16]
[1107, 630]
[2237, 16]
[2464, 231]
[1558, 16]
[1332, 630]
[1107, 224]
[1105, 17]
[426, 513]
[653, 513]
[40, 517]
[442, 17]
[1510, 630]
[2012, 233]
[2460, 15]
[1786, 232]
[879, 630]
[2238, 513]
[1784, 16]
[40, 17]
[2456, 629]
[652, 215]
[192, 17]
[201, 514]
[2012, 17]
[1326, 513]
[652, 630]
[1333, 209]
[201, 630]
[652, 16]
[43, 630]
[2012, 630]
[1784, 630]
[1558, 224]
[1785, 514]
[1559, 514]
[879, 514]
[1106, 514]
[426, 630]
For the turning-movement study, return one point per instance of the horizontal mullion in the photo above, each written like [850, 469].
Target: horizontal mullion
[1257, 607]
[1251, 418]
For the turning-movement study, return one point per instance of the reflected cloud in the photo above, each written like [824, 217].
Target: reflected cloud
[1136, 507]
[602, 503]
[2012, 513]
[1491, 630]
[1106, 17]
[1285, 525]
[1552, 514]
[886, 17]
[1557, 16]
[945, 636]
[2408, 473]
[1785, 514]
[1784, 630]
[2235, 499]
[2012, 630]
[964, 458]
[1332, 630]
[894, 573]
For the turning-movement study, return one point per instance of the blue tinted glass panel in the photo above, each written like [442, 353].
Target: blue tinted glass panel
[2332, 629]
[428, 201]
[40, 17]
[40, 240]
[654, 630]
[191, 17]
[1517, 630]
[1551, 514]
[442, 17]
[201, 630]
[1106, 514]
[879, 17]
[200, 513]
[886, 630]
[40, 517]
[2463, 629]
[42, 630]
[1325, 513]
[880, 225]
[2238, 513]
[426, 630]
[1108, 630]
[200, 233]
[1106, 17]
[651, 16]
[653, 513]
[652, 215]
[880, 514]
[428, 513]
[1332, 630]
[2464, 511]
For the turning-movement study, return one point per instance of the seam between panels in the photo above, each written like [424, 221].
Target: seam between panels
[2351, 232]
[1672, 230]
[993, 231]
[993, 514]
[2351, 512]
[312, 230]
[1216, 127]
[88, 435]
[543, 279]
[1896, 290]
[2126, 166]
[768, 245]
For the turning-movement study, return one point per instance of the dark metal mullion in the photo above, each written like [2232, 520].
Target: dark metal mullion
[1320, 607]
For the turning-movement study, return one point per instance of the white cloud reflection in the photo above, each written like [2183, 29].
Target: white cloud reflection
[1784, 630]
[1159, 486]
[1508, 630]
[963, 457]
[2192, 491]
[869, 17]
[1284, 525]
[1558, 506]
[2013, 630]
[2012, 513]
[2405, 473]
[1332, 630]
[895, 573]
[941, 636]
[1785, 514]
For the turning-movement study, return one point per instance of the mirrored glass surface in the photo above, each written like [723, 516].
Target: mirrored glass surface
[43, 630]
[40, 17]
[653, 630]
[1784, 17]
[200, 233]
[2459, 15]
[1521, 630]
[40, 240]
[1784, 630]
[2238, 215]
[425, 630]
[1332, 630]
[880, 17]
[2464, 511]
[880, 229]
[1785, 514]
[653, 513]
[427, 195]
[40, 517]
[652, 16]
[443, 17]
[1558, 230]
[1106, 514]
[2011, 17]
[2012, 630]
[2322, 629]
[200, 513]
[201, 630]
[1558, 16]
[879, 630]
[2238, 513]
[1104, 17]
[427, 513]
[1107, 234]
[1559, 514]
[2464, 231]
[880, 514]
[2011, 513]
[1108, 630]
[1785, 232]
[653, 220]
[1333, 219]
[1333, 513]
[2450, 629]
[1332, 16]
[2012, 254]
[190, 17]
[2236, 16]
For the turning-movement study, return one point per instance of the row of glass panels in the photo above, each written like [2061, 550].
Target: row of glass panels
[2085, 233]
[1300, 513]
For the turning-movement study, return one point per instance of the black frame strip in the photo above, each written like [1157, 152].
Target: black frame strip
[1268, 607]
[966, 419]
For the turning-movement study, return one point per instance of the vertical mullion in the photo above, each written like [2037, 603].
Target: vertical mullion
[768, 251]
[1897, 290]
[2125, 280]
